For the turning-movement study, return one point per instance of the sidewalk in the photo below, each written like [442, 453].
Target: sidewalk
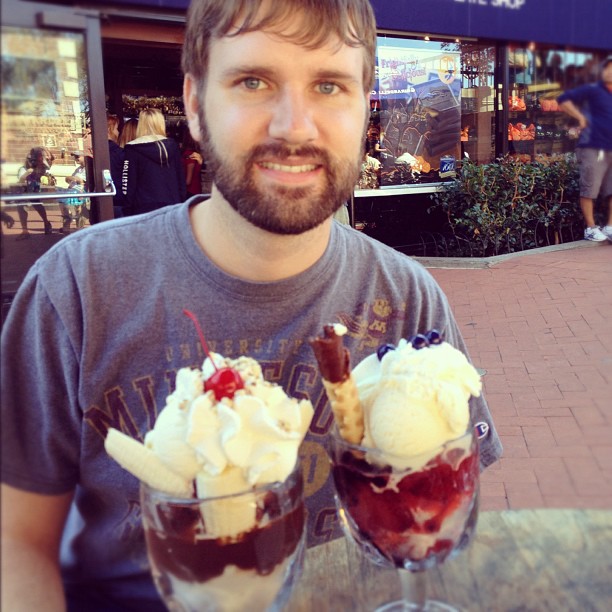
[19, 255]
[540, 324]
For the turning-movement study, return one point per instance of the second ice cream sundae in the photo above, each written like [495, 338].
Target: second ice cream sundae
[405, 469]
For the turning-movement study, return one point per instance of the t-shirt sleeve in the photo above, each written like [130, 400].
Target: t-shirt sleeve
[490, 444]
[435, 312]
[41, 419]
[577, 95]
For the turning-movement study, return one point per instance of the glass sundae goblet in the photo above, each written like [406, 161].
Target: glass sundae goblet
[411, 513]
[235, 552]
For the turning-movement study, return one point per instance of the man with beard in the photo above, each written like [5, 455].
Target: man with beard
[277, 93]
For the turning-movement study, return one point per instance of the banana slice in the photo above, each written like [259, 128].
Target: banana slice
[227, 517]
[144, 464]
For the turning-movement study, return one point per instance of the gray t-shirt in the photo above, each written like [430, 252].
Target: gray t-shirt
[96, 335]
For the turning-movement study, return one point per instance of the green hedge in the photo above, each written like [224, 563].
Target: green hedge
[510, 205]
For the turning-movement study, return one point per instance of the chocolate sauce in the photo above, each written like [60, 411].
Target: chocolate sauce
[182, 552]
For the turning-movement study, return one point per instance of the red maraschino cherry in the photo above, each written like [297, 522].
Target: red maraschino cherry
[225, 381]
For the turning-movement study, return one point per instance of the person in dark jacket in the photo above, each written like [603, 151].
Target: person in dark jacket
[117, 157]
[153, 174]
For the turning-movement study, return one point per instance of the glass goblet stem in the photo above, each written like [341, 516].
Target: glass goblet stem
[413, 593]
[414, 589]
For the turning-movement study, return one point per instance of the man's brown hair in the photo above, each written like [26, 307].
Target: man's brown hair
[351, 21]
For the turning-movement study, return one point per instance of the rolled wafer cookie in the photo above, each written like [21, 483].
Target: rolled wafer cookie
[346, 407]
[143, 463]
[334, 363]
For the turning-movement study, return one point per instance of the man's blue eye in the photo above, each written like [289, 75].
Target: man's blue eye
[252, 83]
[327, 88]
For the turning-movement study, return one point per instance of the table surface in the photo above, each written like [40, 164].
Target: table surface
[536, 560]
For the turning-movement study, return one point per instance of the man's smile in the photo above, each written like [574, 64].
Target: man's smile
[288, 168]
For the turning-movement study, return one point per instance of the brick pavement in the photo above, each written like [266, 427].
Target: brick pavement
[540, 324]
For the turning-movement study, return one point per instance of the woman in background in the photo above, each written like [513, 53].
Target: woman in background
[192, 163]
[153, 174]
[128, 133]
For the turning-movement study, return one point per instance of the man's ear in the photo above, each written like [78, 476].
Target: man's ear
[367, 115]
[191, 101]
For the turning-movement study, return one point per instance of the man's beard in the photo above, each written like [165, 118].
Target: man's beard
[280, 209]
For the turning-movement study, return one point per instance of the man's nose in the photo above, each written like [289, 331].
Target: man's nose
[293, 118]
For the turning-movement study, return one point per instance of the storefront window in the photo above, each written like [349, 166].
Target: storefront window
[432, 104]
[46, 136]
[536, 126]
[477, 102]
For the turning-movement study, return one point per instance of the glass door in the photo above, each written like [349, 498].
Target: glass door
[54, 148]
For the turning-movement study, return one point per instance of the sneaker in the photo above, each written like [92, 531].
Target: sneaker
[594, 234]
[606, 230]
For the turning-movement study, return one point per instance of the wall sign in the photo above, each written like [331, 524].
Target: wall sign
[579, 23]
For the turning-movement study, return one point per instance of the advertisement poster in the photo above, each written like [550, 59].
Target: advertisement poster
[416, 114]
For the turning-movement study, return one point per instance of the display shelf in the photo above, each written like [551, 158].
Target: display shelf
[534, 131]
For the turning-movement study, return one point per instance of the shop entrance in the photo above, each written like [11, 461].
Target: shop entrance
[142, 69]
[142, 75]
[54, 158]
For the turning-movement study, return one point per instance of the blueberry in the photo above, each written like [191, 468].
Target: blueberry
[419, 341]
[434, 337]
[383, 349]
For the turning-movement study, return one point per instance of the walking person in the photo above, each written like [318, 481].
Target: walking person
[75, 208]
[591, 106]
[35, 174]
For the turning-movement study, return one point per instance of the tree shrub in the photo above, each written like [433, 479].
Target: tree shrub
[510, 205]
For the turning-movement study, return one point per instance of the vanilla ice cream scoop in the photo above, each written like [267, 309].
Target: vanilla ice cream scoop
[415, 399]
[405, 401]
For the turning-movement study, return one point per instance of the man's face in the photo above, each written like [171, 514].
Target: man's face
[282, 128]
[606, 74]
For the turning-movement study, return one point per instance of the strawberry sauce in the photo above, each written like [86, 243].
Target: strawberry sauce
[414, 515]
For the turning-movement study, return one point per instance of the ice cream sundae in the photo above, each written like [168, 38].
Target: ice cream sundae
[221, 486]
[405, 461]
